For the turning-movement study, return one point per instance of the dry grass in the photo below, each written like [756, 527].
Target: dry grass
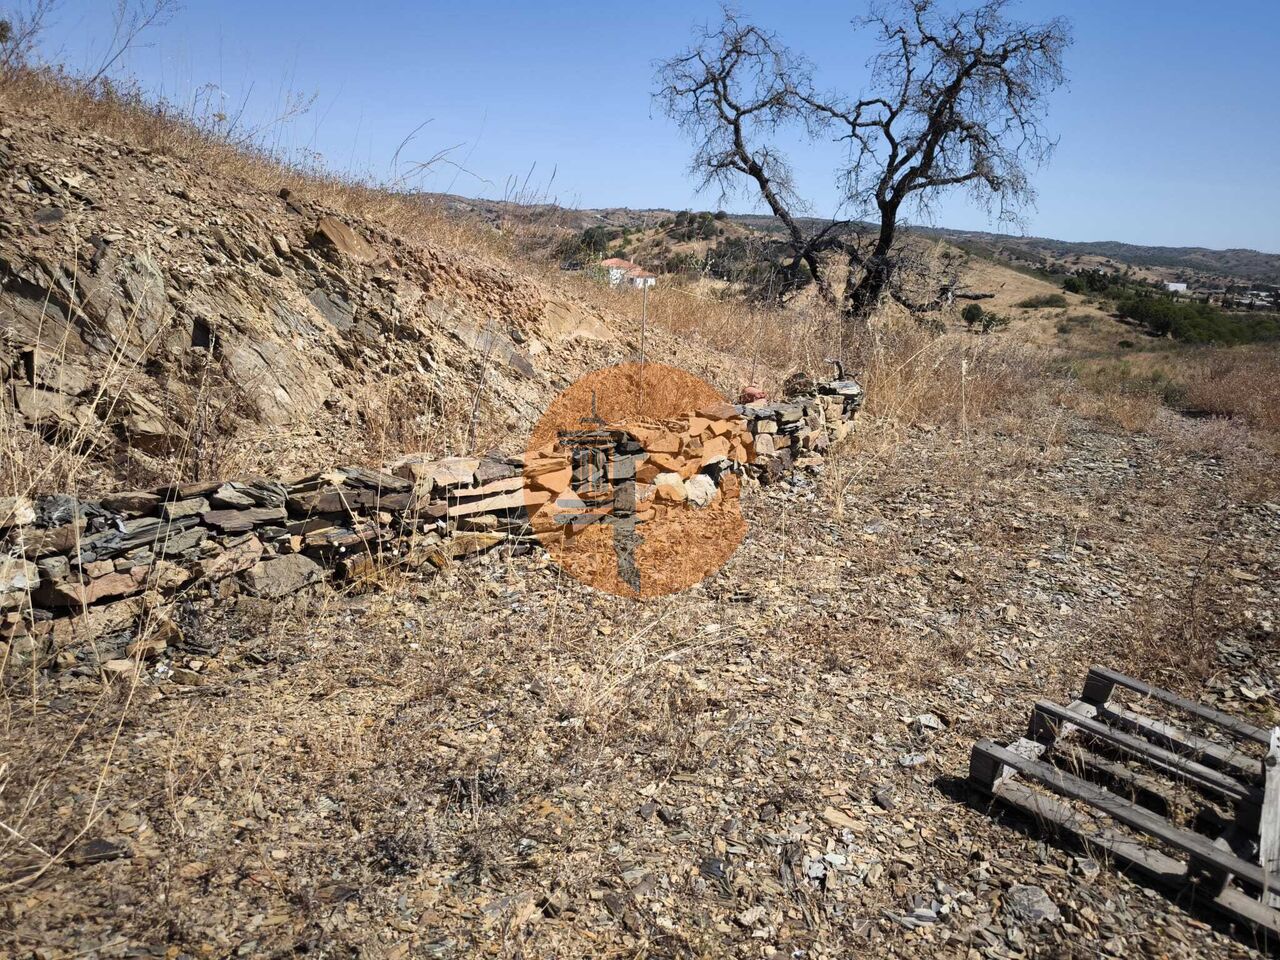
[125, 114]
[1127, 408]
[914, 376]
[1241, 383]
[1175, 642]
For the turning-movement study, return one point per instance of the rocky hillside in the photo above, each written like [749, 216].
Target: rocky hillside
[161, 306]
[1225, 267]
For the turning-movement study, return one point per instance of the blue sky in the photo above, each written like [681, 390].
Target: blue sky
[1170, 127]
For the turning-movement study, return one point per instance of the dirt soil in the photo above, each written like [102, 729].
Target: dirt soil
[500, 762]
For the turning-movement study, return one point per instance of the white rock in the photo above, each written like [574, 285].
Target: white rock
[700, 489]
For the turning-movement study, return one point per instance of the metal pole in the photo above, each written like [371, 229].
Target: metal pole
[644, 319]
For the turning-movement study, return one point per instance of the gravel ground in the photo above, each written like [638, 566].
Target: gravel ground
[500, 762]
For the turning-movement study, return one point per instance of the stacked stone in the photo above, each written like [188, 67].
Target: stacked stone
[65, 557]
[693, 460]
[464, 505]
[786, 436]
[75, 568]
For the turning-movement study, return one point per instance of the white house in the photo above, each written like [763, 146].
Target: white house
[1175, 288]
[624, 271]
[641, 278]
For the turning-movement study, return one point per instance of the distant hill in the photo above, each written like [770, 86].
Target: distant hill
[1236, 264]
[1197, 264]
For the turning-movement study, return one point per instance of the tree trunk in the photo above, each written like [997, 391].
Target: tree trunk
[863, 291]
[861, 297]
[792, 279]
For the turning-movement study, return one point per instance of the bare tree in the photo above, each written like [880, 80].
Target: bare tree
[955, 100]
[130, 20]
[19, 33]
[732, 92]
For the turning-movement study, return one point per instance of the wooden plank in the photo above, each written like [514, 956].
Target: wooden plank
[1129, 814]
[1040, 732]
[1269, 821]
[1090, 831]
[1148, 791]
[987, 773]
[1234, 761]
[1100, 677]
[1049, 717]
[1097, 688]
[1231, 839]
[1132, 853]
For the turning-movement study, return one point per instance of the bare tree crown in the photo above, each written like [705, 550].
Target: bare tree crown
[955, 100]
[732, 92]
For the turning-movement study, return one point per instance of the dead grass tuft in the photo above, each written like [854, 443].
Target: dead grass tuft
[915, 376]
[1172, 640]
[1237, 383]
[1240, 383]
[1128, 409]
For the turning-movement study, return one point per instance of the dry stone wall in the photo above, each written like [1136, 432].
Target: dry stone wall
[77, 569]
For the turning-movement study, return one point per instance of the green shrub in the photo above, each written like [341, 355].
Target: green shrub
[1198, 322]
[984, 320]
[1100, 283]
[1044, 300]
[592, 241]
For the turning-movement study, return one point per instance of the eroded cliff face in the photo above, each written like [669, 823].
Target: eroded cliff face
[148, 302]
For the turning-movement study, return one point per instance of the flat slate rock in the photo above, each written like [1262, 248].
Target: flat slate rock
[1030, 904]
[281, 576]
[241, 521]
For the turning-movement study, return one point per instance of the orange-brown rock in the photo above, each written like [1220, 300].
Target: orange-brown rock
[333, 234]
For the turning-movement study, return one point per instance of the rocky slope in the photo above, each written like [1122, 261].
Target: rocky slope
[503, 763]
[168, 298]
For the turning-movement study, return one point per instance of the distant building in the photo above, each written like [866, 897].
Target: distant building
[641, 278]
[1175, 287]
[624, 271]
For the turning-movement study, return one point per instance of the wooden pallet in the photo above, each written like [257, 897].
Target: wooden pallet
[1193, 804]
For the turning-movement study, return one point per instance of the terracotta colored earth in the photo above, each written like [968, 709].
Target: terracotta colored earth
[677, 544]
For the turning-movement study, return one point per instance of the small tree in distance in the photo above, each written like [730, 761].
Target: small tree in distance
[955, 100]
[984, 321]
